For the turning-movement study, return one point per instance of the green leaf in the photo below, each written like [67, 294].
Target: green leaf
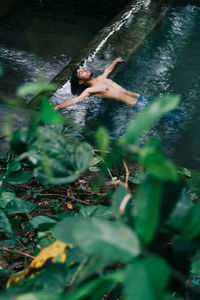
[75, 256]
[37, 295]
[95, 160]
[2, 184]
[96, 288]
[62, 159]
[51, 279]
[18, 177]
[93, 164]
[33, 158]
[117, 198]
[191, 226]
[57, 159]
[180, 211]
[171, 193]
[141, 278]
[95, 236]
[42, 222]
[5, 225]
[13, 166]
[99, 211]
[151, 114]
[83, 156]
[102, 139]
[94, 169]
[195, 265]
[108, 239]
[16, 205]
[139, 176]
[5, 198]
[156, 163]
[35, 88]
[54, 179]
[44, 242]
[64, 229]
[147, 209]
[21, 139]
[10, 243]
[48, 114]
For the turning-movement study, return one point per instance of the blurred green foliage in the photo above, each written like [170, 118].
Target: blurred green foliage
[139, 249]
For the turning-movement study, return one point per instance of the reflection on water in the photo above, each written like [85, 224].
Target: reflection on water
[36, 42]
[20, 66]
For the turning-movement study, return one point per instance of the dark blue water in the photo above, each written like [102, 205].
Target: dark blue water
[167, 62]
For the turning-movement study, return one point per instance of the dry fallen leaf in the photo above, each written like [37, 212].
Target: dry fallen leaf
[53, 253]
[69, 205]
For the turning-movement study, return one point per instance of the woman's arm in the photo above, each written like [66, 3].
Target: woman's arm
[87, 92]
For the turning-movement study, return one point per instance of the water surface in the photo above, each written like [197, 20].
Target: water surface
[37, 42]
[166, 62]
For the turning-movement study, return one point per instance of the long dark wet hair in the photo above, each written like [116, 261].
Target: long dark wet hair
[74, 78]
[75, 86]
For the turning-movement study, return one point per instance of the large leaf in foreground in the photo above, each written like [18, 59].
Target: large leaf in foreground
[191, 226]
[102, 139]
[35, 88]
[99, 237]
[181, 211]
[95, 289]
[151, 114]
[147, 209]
[48, 114]
[106, 238]
[156, 163]
[117, 199]
[64, 229]
[21, 139]
[63, 159]
[56, 158]
[146, 278]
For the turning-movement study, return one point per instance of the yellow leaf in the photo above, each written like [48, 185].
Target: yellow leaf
[53, 253]
[46, 254]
